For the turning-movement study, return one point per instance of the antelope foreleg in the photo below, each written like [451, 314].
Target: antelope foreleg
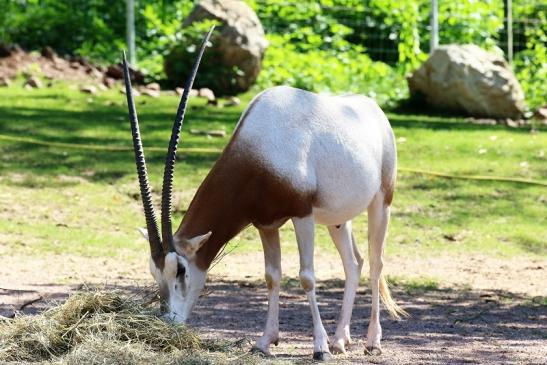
[272, 261]
[304, 229]
[352, 262]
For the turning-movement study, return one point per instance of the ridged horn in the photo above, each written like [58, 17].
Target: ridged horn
[166, 194]
[156, 249]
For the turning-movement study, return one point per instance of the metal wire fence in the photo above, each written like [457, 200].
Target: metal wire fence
[501, 23]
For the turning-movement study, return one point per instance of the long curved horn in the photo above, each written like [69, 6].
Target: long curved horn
[167, 189]
[156, 250]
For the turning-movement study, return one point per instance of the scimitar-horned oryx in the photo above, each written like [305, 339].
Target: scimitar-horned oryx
[293, 155]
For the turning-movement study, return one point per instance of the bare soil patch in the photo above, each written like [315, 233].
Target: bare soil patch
[47, 65]
[50, 66]
[446, 326]
[481, 322]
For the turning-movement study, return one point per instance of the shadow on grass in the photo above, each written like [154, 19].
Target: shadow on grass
[70, 119]
[417, 113]
[103, 126]
[534, 245]
[440, 122]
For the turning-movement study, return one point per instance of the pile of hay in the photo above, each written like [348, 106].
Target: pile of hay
[106, 327]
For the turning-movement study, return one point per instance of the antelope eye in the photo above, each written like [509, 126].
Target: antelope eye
[181, 270]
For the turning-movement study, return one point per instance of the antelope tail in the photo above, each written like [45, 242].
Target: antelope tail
[393, 308]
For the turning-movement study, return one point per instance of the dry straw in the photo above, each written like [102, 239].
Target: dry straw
[107, 327]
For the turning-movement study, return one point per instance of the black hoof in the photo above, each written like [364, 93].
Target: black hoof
[373, 351]
[322, 356]
[256, 351]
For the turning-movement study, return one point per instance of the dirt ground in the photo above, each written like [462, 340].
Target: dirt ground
[485, 311]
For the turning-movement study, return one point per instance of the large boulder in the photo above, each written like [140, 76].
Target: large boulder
[469, 79]
[238, 46]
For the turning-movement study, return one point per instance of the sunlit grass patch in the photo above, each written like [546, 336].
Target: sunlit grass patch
[86, 202]
[414, 285]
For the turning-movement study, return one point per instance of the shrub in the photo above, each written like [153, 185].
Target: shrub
[531, 64]
[90, 28]
[322, 70]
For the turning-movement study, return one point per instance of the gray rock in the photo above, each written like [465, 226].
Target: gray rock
[233, 101]
[469, 79]
[151, 93]
[115, 72]
[5, 81]
[206, 94]
[95, 73]
[515, 123]
[193, 92]
[89, 89]
[238, 43]
[541, 114]
[49, 53]
[153, 86]
[81, 60]
[33, 83]
[135, 92]
[15, 48]
[109, 82]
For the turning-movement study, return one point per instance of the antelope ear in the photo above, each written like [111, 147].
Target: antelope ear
[144, 233]
[195, 243]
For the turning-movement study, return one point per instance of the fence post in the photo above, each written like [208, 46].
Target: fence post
[130, 30]
[434, 26]
[510, 31]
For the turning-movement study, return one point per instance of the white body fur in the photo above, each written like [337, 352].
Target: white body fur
[334, 146]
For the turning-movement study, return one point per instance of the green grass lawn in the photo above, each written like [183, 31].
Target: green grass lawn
[84, 201]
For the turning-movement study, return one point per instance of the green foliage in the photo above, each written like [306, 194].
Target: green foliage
[305, 24]
[324, 70]
[162, 31]
[311, 48]
[90, 28]
[406, 15]
[477, 22]
[531, 64]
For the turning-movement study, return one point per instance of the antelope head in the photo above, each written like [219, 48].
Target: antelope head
[180, 281]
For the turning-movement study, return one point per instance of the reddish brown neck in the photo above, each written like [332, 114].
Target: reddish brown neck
[217, 207]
